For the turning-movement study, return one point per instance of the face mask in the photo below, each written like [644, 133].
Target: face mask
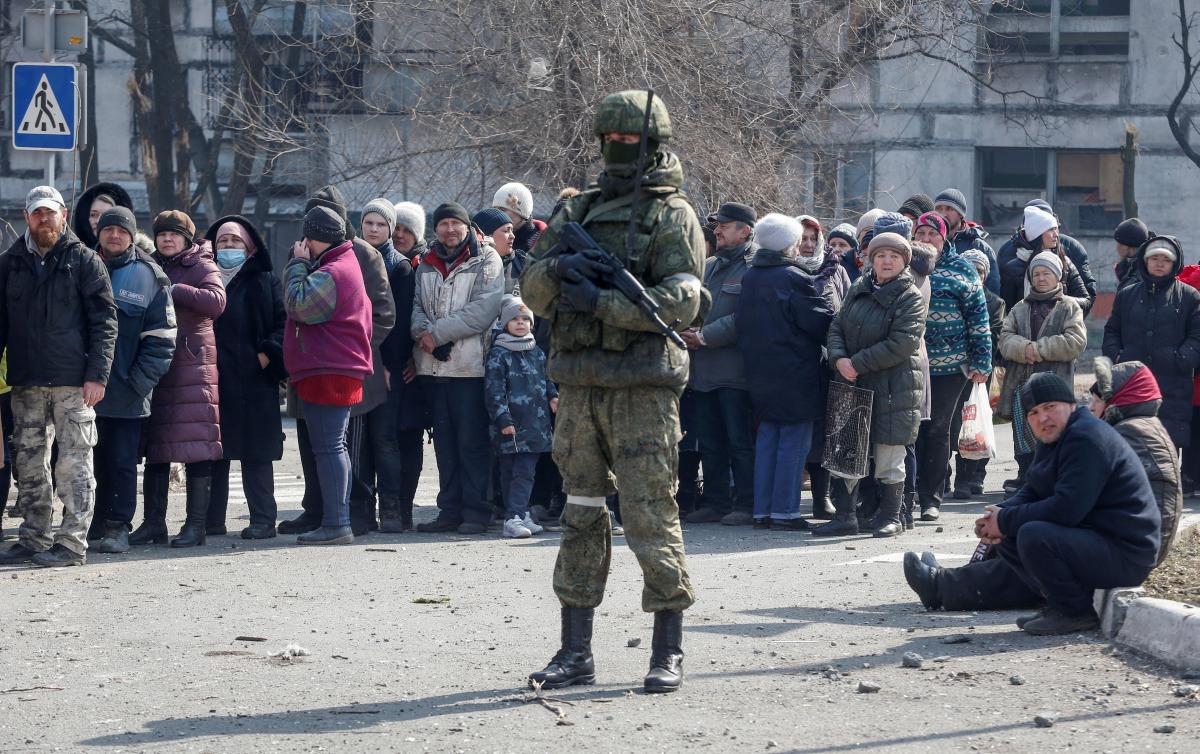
[620, 159]
[230, 258]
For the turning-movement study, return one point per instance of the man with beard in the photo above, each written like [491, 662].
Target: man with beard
[619, 382]
[59, 324]
[459, 286]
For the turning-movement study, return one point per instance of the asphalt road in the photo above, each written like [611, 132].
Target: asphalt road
[422, 643]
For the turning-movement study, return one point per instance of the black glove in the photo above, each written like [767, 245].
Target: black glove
[585, 264]
[578, 294]
[442, 352]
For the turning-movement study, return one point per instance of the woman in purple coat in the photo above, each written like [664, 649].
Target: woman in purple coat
[184, 425]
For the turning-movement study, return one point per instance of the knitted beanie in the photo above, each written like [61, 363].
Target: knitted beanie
[893, 222]
[514, 196]
[1049, 260]
[979, 261]
[952, 198]
[776, 232]
[1045, 387]
[847, 233]
[491, 219]
[916, 205]
[867, 221]
[512, 307]
[412, 216]
[451, 211]
[325, 225]
[120, 217]
[933, 220]
[385, 209]
[1132, 232]
[1037, 222]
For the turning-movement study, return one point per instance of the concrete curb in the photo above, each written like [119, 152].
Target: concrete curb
[1164, 629]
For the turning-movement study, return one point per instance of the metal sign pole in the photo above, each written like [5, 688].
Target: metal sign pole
[47, 57]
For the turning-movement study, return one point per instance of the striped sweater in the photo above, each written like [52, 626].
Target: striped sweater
[958, 332]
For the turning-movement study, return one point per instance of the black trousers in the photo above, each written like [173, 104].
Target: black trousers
[1191, 454]
[462, 447]
[6, 476]
[724, 420]
[258, 484]
[987, 585]
[115, 462]
[933, 439]
[1066, 564]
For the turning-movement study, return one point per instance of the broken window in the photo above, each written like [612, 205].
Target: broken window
[1089, 191]
[1009, 179]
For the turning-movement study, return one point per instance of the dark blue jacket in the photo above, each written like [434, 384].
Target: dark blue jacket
[518, 393]
[850, 266]
[1090, 479]
[1078, 283]
[782, 322]
[145, 334]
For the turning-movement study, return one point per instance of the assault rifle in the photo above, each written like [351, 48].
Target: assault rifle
[574, 238]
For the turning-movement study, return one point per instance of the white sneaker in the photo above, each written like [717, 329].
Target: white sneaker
[617, 529]
[530, 525]
[514, 528]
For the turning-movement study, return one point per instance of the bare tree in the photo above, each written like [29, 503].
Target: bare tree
[1182, 126]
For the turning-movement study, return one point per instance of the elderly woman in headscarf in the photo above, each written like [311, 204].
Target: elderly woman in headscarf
[250, 368]
[1044, 332]
[823, 261]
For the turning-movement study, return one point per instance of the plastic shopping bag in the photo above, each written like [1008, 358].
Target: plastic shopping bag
[977, 438]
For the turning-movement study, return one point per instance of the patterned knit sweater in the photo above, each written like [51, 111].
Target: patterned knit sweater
[958, 332]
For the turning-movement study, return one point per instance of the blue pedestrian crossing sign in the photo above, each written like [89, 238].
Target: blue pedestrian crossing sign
[45, 106]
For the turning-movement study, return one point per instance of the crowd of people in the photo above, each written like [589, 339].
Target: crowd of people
[174, 348]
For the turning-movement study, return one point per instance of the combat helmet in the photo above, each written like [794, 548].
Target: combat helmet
[624, 112]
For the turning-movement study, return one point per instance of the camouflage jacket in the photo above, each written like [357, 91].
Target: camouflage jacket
[616, 346]
[518, 394]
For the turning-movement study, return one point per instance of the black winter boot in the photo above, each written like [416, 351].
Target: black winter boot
[822, 506]
[572, 665]
[906, 511]
[389, 515]
[408, 492]
[887, 522]
[845, 520]
[114, 538]
[666, 654]
[868, 502]
[192, 533]
[153, 529]
[362, 516]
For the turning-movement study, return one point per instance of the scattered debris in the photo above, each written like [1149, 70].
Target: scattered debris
[356, 712]
[249, 638]
[340, 657]
[939, 530]
[289, 654]
[1168, 728]
[32, 688]
[1045, 719]
[227, 653]
[549, 702]
[912, 660]
[439, 600]
[772, 744]
[866, 687]
[956, 639]
[634, 642]
[378, 549]
[1187, 690]
[1017, 680]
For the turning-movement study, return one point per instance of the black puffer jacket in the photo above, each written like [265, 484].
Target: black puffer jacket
[1157, 321]
[252, 323]
[880, 328]
[83, 207]
[59, 323]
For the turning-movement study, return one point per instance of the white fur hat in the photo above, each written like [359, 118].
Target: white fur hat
[412, 216]
[776, 232]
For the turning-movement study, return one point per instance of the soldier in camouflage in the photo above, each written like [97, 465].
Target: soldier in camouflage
[619, 385]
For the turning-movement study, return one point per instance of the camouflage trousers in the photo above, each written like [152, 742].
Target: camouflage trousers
[43, 416]
[626, 439]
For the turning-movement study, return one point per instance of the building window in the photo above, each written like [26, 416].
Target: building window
[841, 183]
[1086, 188]
[1032, 29]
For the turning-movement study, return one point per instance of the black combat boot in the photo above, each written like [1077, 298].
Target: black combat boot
[922, 578]
[887, 522]
[153, 529]
[845, 520]
[192, 533]
[362, 516]
[572, 665]
[666, 653]
[822, 506]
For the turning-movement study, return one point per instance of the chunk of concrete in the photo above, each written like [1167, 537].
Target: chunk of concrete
[1112, 605]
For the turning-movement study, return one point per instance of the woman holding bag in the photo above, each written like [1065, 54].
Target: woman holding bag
[874, 344]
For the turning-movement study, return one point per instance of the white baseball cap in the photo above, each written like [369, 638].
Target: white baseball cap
[43, 196]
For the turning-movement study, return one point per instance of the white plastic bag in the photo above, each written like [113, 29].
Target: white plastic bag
[977, 438]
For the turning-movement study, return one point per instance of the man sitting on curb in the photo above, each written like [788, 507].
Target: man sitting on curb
[1086, 518]
[1126, 396]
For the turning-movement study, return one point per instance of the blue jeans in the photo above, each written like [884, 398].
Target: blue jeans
[327, 433]
[779, 457]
